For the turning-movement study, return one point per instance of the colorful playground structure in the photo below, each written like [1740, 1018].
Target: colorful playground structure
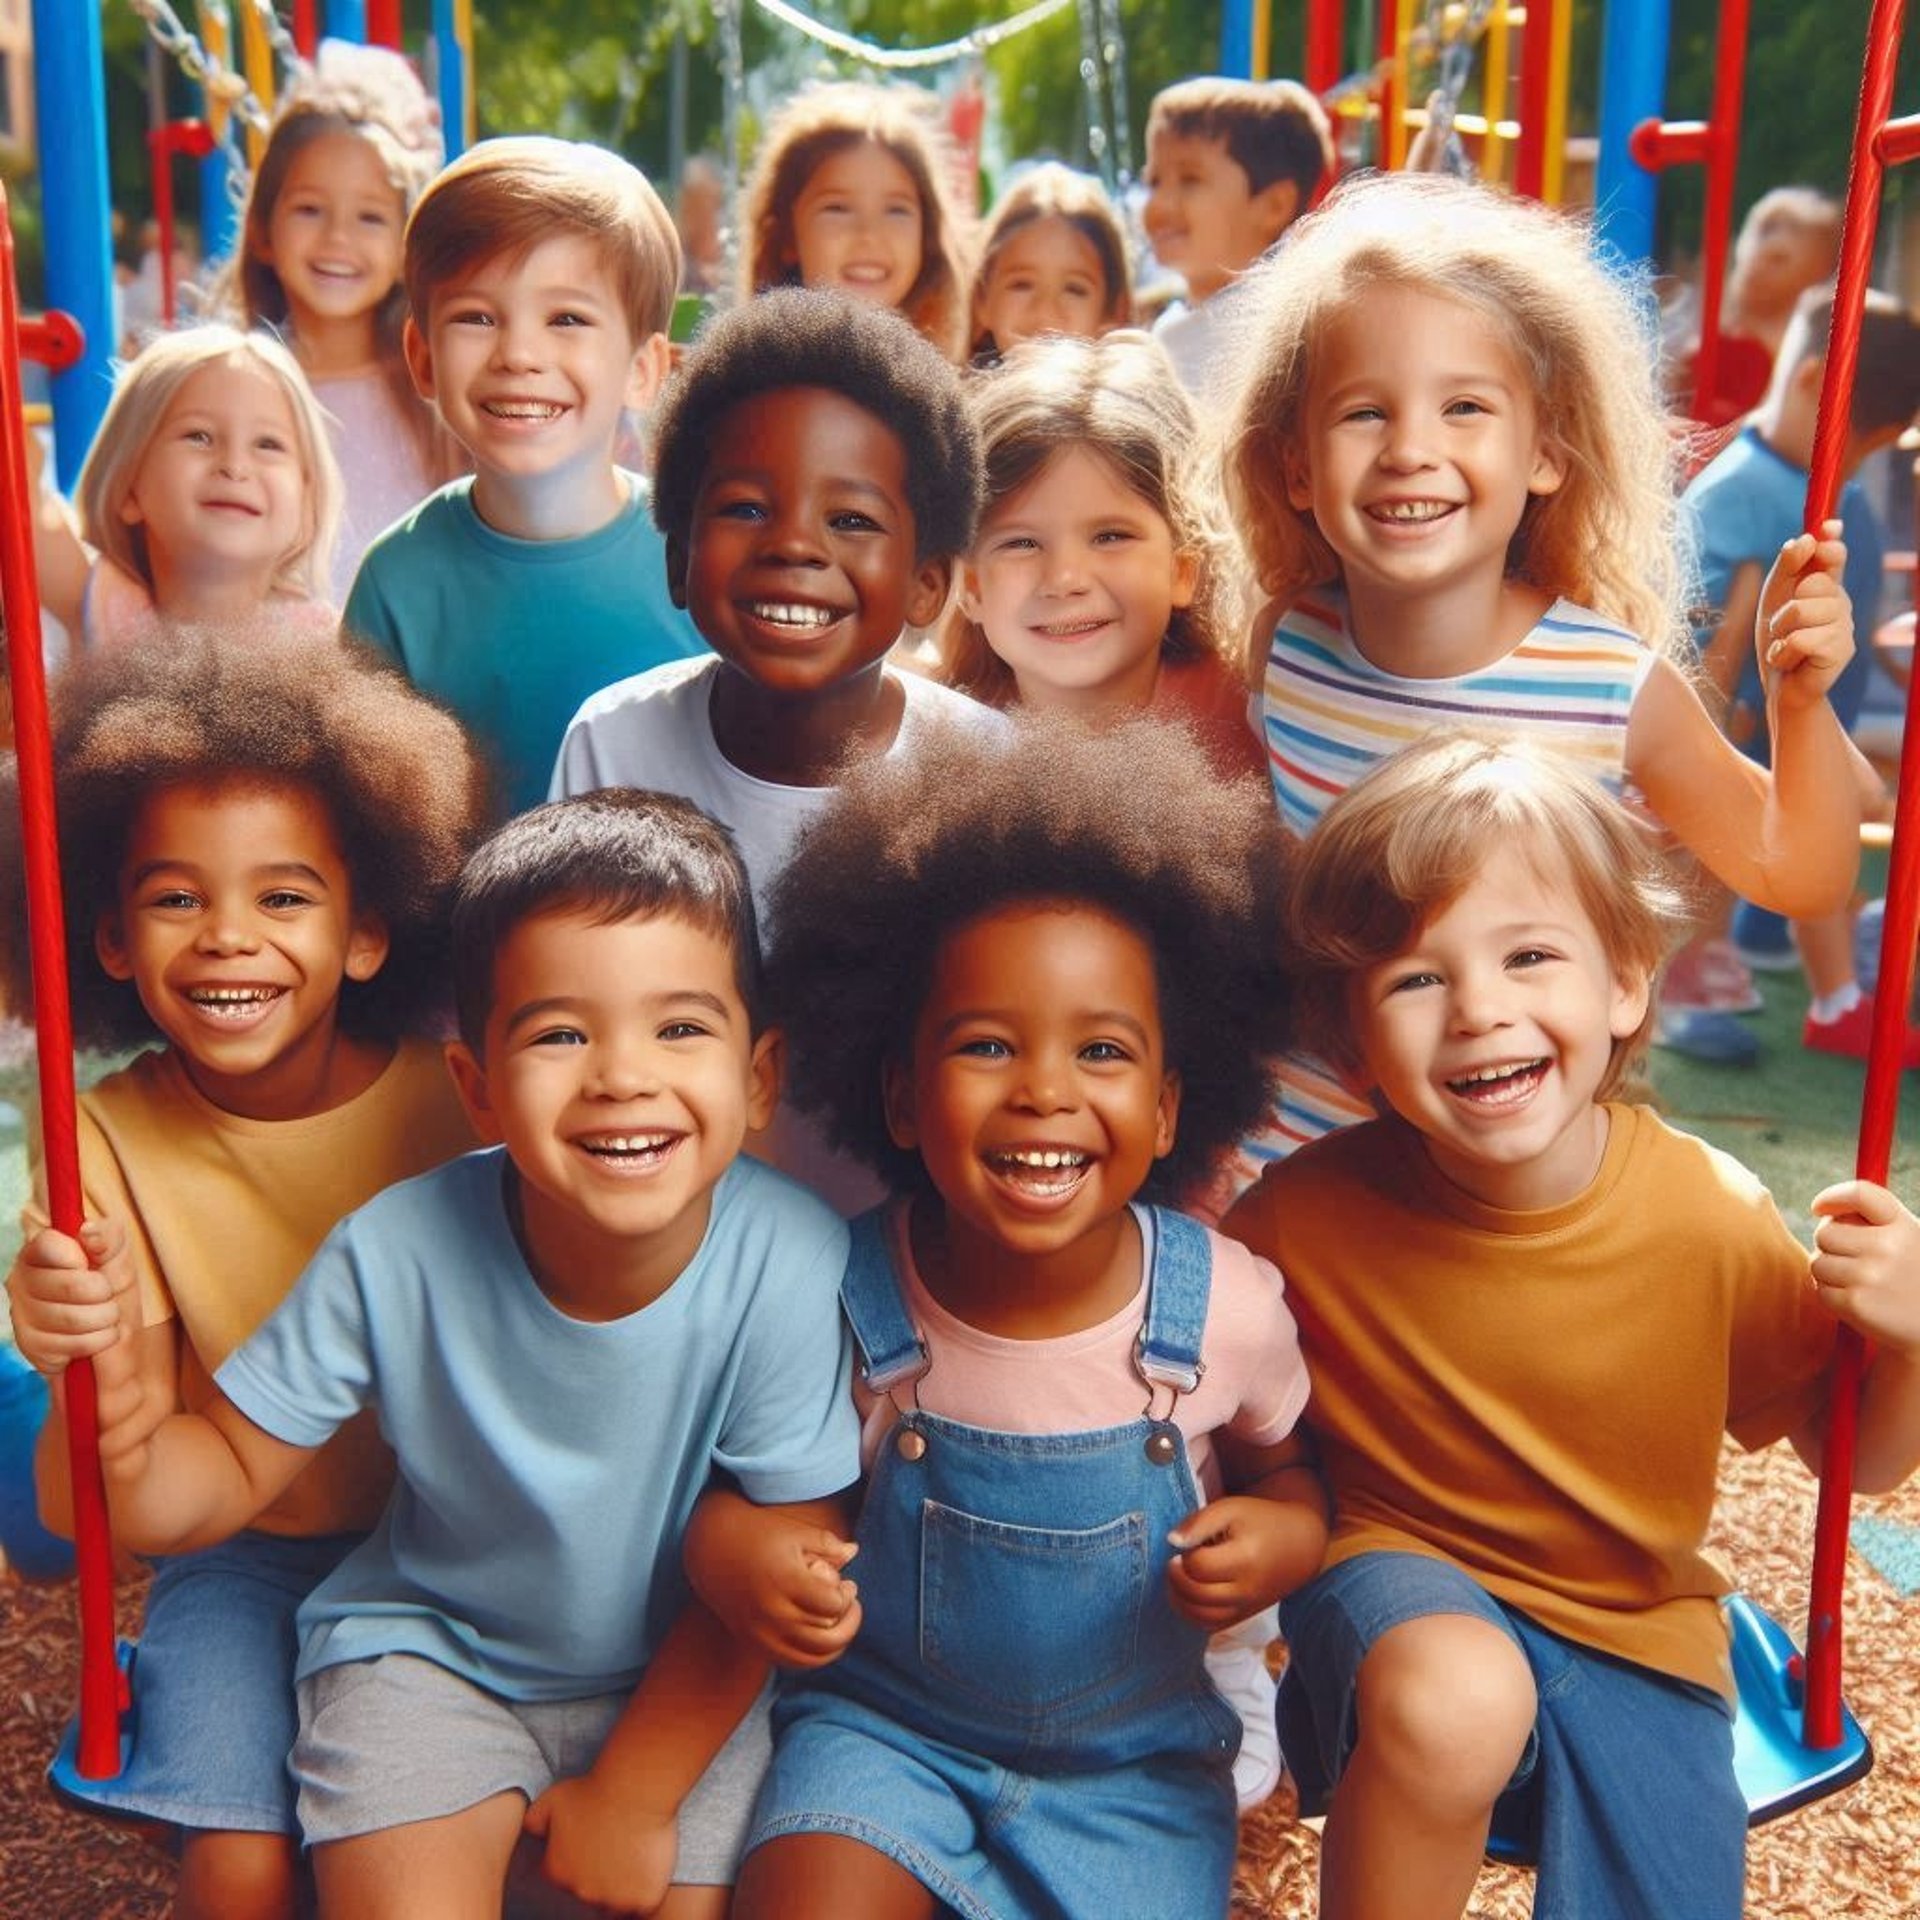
[1518, 135]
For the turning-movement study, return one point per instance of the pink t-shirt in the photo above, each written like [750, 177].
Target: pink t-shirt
[1255, 1384]
[118, 611]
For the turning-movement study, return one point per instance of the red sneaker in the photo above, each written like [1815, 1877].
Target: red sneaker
[1852, 1034]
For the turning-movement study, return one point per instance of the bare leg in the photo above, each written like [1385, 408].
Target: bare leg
[237, 1876]
[452, 1868]
[1826, 952]
[1445, 1704]
[825, 1876]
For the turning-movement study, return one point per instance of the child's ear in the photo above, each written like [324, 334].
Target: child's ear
[1167, 1116]
[650, 363]
[1186, 576]
[368, 945]
[677, 569]
[110, 947]
[1298, 476]
[419, 358]
[764, 1072]
[1627, 1007]
[896, 1098]
[1548, 474]
[969, 593]
[470, 1083]
[1275, 208]
[927, 593]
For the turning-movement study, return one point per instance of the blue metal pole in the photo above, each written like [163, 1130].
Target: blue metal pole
[450, 60]
[219, 220]
[1633, 87]
[347, 20]
[1236, 38]
[69, 89]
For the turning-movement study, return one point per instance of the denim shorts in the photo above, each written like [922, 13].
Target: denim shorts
[213, 1714]
[388, 1741]
[1626, 1792]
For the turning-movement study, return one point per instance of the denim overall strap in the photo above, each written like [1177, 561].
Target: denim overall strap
[1179, 1280]
[891, 1350]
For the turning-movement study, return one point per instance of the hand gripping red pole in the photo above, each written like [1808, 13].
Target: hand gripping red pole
[99, 1755]
[1875, 138]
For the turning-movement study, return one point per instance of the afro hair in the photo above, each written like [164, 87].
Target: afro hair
[1132, 822]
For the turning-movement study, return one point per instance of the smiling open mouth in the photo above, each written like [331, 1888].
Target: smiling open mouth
[1071, 629]
[1044, 1172]
[630, 1150]
[1411, 513]
[1505, 1085]
[235, 1004]
[523, 409]
[797, 615]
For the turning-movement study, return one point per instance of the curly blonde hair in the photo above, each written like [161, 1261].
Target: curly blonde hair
[1578, 331]
[824, 121]
[1119, 399]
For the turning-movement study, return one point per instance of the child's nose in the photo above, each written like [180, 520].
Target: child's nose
[623, 1071]
[1478, 1002]
[1405, 447]
[516, 343]
[227, 932]
[1046, 1085]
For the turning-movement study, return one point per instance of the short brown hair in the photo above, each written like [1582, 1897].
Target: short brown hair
[1886, 378]
[1272, 129]
[502, 198]
[1403, 843]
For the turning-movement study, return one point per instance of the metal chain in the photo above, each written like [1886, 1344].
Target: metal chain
[279, 38]
[223, 86]
[893, 58]
[1099, 145]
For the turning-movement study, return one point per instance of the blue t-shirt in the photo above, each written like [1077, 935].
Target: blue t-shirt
[514, 634]
[1740, 508]
[547, 1465]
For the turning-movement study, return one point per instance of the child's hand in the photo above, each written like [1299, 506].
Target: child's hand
[602, 1848]
[1866, 1262]
[1236, 1556]
[72, 1298]
[772, 1575]
[1803, 631]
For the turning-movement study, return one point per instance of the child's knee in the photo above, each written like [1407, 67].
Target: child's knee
[237, 1876]
[1448, 1701]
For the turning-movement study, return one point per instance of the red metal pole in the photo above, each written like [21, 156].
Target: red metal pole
[1879, 1102]
[1723, 156]
[194, 139]
[1536, 82]
[383, 24]
[99, 1754]
[306, 27]
[1326, 30]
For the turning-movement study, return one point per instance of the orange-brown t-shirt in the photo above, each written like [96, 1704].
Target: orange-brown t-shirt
[1540, 1397]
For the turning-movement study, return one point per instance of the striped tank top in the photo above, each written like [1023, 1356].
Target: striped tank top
[1327, 713]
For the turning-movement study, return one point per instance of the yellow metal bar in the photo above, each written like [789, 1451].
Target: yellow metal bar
[1261, 52]
[256, 50]
[463, 35]
[216, 38]
[1396, 131]
[1493, 92]
[1560, 46]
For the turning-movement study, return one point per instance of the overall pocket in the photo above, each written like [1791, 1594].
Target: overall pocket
[1029, 1619]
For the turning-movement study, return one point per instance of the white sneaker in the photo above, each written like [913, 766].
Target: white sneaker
[1237, 1666]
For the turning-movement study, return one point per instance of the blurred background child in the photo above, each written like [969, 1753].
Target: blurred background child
[1097, 583]
[1053, 259]
[208, 494]
[353, 146]
[850, 191]
[258, 839]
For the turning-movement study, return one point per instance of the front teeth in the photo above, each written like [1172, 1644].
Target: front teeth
[1412, 509]
[781, 613]
[1047, 1157]
[628, 1143]
[1510, 1071]
[232, 996]
[1071, 629]
[523, 409]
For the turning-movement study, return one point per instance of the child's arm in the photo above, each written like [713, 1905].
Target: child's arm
[193, 1480]
[773, 1573]
[59, 558]
[1244, 1551]
[1785, 838]
[610, 1832]
[1866, 1265]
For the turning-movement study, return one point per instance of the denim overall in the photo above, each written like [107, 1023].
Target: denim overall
[1023, 1722]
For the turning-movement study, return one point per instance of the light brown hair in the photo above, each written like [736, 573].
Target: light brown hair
[1053, 192]
[1272, 129]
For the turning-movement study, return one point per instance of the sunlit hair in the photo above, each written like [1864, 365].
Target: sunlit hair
[372, 95]
[1119, 399]
[1582, 341]
[1886, 375]
[146, 387]
[255, 706]
[1403, 843]
[1132, 823]
[1053, 192]
[825, 121]
[502, 198]
[1272, 129]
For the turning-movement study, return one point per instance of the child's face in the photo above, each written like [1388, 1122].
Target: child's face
[1046, 278]
[1073, 580]
[531, 361]
[333, 235]
[800, 568]
[857, 226]
[1038, 1095]
[1777, 259]
[1202, 217]
[236, 923]
[1493, 1032]
[220, 488]
[1420, 445]
[621, 1072]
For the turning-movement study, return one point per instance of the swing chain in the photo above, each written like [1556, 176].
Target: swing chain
[889, 59]
[278, 37]
[223, 86]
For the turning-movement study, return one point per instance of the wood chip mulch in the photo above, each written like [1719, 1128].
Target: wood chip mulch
[1855, 1857]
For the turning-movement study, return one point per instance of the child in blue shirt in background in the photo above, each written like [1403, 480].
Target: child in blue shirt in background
[566, 1335]
[541, 277]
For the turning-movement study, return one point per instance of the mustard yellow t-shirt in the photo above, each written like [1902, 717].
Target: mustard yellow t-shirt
[1540, 1397]
[223, 1213]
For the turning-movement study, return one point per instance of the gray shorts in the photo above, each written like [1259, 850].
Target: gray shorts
[388, 1741]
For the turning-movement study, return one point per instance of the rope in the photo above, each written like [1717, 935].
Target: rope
[895, 59]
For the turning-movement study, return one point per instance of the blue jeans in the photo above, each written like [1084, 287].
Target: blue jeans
[1626, 1791]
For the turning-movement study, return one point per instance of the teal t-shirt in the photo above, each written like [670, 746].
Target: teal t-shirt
[514, 634]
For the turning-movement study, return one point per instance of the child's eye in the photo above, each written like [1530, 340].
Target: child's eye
[852, 520]
[569, 318]
[985, 1047]
[375, 217]
[467, 317]
[1104, 1052]
[1114, 536]
[1015, 543]
[197, 436]
[1413, 982]
[1364, 413]
[1530, 957]
[270, 443]
[684, 1030]
[750, 510]
[285, 900]
[558, 1037]
[173, 900]
[1465, 408]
